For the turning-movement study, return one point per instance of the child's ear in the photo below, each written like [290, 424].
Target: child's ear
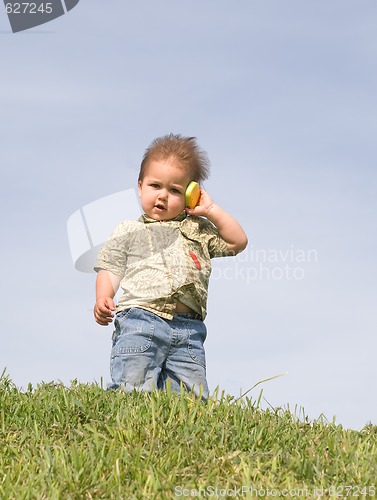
[139, 188]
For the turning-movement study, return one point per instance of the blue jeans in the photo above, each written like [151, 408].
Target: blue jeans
[148, 350]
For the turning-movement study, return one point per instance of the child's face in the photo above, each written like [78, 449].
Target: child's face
[162, 190]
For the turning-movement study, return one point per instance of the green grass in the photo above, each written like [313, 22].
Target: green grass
[83, 442]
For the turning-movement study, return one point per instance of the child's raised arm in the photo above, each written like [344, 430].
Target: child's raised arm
[107, 285]
[229, 229]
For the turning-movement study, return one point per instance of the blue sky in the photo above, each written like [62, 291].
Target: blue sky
[282, 97]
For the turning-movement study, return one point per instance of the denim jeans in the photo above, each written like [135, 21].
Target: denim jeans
[148, 350]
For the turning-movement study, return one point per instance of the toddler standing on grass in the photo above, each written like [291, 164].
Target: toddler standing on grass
[162, 263]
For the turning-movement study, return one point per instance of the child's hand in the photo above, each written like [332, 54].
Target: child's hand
[204, 204]
[103, 310]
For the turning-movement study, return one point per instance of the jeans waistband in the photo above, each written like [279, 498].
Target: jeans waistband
[192, 315]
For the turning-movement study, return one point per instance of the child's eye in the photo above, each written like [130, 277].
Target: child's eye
[154, 185]
[176, 191]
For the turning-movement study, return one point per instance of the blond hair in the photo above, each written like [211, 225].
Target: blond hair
[184, 150]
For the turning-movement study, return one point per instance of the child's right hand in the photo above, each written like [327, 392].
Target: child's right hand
[104, 310]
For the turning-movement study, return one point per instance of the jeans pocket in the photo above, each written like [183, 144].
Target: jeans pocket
[133, 333]
[122, 315]
[196, 340]
[118, 320]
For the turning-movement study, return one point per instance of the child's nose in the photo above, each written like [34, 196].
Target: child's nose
[163, 194]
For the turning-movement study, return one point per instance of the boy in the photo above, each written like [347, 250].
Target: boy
[162, 263]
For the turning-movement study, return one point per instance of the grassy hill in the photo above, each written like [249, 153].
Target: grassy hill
[83, 442]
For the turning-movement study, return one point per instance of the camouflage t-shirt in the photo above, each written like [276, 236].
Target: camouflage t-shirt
[161, 262]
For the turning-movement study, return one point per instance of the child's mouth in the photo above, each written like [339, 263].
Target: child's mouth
[160, 207]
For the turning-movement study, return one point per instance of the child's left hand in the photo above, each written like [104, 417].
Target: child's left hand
[204, 204]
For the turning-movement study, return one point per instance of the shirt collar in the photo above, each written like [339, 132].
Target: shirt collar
[180, 217]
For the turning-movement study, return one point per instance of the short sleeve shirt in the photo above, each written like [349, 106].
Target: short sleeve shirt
[161, 262]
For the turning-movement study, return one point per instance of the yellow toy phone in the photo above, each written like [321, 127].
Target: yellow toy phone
[192, 194]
